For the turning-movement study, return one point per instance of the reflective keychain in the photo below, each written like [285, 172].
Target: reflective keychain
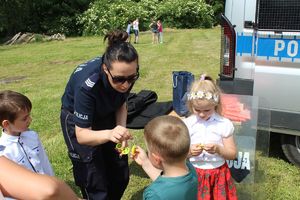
[125, 150]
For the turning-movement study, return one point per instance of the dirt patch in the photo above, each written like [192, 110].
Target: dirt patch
[11, 79]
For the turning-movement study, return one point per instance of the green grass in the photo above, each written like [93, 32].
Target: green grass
[47, 67]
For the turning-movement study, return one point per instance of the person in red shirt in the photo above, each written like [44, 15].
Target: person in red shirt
[160, 31]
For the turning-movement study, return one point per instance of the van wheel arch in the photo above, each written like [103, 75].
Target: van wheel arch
[290, 145]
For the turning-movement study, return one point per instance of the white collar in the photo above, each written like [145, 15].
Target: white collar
[214, 117]
[7, 137]
[26, 135]
[194, 119]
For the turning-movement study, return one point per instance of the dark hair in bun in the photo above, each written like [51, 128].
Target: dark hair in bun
[118, 49]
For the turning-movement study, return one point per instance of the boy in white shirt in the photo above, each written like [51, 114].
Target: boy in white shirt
[18, 143]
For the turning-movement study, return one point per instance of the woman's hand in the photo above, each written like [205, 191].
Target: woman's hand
[119, 134]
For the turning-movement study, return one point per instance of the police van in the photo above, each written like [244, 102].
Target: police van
[260, 56]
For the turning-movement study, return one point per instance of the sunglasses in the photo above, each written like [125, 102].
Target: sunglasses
[123, 79]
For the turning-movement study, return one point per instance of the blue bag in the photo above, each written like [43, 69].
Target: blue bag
[182, 81]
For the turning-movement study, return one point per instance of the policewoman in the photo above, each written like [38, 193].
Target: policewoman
[93, 118]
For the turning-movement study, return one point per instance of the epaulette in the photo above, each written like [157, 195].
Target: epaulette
[79, 68]
[91, 81]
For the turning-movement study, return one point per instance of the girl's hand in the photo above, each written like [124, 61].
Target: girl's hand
[211, 148]
[196, 149]
[140, 156]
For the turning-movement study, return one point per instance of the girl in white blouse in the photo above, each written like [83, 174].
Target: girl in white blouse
[212, 141]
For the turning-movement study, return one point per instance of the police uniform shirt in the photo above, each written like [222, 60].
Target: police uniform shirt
[91, 98]
[26, 150]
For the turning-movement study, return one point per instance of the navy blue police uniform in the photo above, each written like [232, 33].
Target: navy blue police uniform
[90, 101]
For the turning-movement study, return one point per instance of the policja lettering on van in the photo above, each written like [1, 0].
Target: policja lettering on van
[290, 48]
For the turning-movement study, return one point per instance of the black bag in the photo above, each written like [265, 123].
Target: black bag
[182, 81]
[138, 102]
[142, 107]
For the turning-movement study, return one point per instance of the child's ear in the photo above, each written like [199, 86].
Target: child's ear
[157, 158]
[5, 124]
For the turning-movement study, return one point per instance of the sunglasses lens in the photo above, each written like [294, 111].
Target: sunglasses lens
[129, 79]
[119, 79]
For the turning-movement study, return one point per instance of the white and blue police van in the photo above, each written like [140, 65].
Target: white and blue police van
[260, 56]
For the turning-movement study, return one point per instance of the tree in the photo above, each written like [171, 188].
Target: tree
[41, 16]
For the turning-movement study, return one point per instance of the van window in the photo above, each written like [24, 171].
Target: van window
[278, 15]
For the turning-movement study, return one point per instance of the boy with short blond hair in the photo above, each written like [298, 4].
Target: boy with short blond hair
[168, 145]
[18, 143]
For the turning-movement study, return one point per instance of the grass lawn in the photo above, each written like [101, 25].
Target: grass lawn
[42, 70]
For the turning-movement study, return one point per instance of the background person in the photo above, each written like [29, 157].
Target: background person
[212, 141]
[19, 143]
[168, 144]
[160, 31]
[93, 118]
[128, 30]
[154, 30]
[135, 26]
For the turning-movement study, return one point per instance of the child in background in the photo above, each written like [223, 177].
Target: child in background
[168, 144]
[18, 143]
[154, 29]
[160, 31]
[128, 30]
[212, 141]
[135, 26]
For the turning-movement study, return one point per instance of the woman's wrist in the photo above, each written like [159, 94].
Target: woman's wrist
[104, 136]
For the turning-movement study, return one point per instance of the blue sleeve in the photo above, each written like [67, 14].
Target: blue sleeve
[84, 106]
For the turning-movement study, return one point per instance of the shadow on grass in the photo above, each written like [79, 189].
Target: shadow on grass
[265, 184]
[244, 192]
[250, 188]
[261, 185]
[137, 170]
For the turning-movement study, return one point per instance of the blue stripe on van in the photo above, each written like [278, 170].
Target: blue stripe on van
[268, 47]
[244, 44]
